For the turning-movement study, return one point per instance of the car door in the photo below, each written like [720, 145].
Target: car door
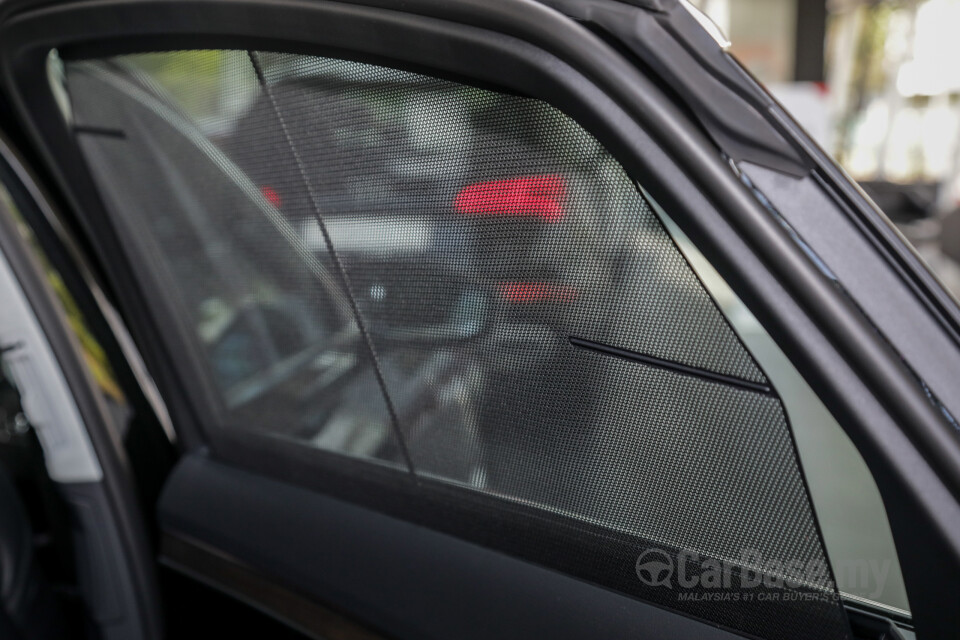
[472, 318]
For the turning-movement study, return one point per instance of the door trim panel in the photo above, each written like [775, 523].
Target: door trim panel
[237, 579]
[408, 580]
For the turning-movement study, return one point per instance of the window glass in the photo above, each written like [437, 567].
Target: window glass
[850, 512]
[456, 282]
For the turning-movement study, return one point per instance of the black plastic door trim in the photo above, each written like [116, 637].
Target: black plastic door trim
[314, 544]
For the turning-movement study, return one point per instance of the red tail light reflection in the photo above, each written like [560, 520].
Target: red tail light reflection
[533, 292]
[532, 196]
[271, 195]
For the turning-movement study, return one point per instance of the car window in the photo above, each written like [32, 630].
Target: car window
[455, 282]
[849, 509]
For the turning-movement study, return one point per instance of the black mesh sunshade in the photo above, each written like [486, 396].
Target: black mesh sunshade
[462, 284]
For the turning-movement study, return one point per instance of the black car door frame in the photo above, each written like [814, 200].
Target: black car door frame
[905, 438]
[117, 578]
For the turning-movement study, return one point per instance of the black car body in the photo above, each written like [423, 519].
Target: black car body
[454, 319]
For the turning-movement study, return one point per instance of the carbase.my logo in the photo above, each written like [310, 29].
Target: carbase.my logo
[655, 568]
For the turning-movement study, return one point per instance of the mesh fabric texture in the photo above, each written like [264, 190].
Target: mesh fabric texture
[391, 266]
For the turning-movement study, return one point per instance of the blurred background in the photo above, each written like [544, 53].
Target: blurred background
[877, 83]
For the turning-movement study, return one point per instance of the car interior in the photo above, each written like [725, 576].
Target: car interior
[444, 333]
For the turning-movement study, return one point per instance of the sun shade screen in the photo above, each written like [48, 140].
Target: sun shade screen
[462, 284]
